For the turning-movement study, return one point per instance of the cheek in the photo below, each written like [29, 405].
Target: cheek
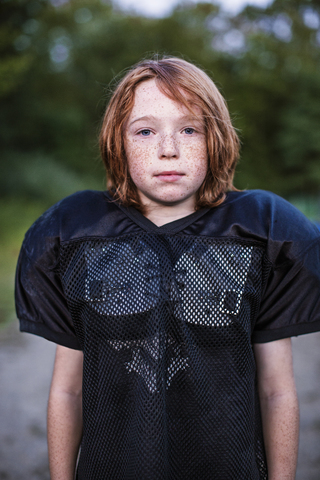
[197, 158]
[138, 158]
[139, 155]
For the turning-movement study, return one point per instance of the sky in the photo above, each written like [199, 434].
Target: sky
[158, 8]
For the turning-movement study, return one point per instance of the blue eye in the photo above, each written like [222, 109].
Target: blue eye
[189, 131]
[145, 132]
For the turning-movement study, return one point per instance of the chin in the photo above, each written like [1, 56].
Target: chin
[170, 200]
[167, 199]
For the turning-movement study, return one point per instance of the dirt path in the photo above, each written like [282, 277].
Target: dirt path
[25, 372]
[26, 363]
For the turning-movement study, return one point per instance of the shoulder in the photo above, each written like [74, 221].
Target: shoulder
[262, 201]
[260, 216]
[70, 217]
[83, 215]
[273, 216]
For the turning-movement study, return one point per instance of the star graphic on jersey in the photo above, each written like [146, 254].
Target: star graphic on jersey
[146, 360]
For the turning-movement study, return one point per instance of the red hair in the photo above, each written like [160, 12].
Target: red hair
[180, 81]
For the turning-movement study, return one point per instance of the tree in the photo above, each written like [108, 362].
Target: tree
[60, 57]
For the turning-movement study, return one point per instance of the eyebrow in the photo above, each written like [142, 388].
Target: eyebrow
[146, 117]
[152, 117]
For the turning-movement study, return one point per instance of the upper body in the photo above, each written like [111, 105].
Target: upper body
[181, 297]
[166, 318]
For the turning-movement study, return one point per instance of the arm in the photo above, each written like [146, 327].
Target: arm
[279, 407]
[65, 413]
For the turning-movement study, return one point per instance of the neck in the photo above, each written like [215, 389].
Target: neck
[161, 215]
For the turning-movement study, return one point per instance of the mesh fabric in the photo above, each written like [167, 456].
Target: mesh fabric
[169, 373]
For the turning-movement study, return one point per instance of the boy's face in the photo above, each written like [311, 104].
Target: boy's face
[166, 149]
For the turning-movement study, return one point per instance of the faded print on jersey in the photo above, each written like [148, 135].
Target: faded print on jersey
[197, 282]
[205, 288]
[122, 280]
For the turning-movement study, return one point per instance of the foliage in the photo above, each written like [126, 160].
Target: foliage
[16, 216]
[58, 59]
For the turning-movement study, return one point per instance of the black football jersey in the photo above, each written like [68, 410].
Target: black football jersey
[166, 318]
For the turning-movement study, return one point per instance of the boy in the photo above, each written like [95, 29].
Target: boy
[172, 298]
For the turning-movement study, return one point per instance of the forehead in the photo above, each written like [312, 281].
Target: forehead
[149, 99]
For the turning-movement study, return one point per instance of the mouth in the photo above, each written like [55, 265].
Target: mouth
[170, 176]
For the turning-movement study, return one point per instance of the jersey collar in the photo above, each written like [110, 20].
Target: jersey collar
[171, 227]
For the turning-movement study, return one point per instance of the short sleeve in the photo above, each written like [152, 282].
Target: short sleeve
[40, 302]
[290, 302]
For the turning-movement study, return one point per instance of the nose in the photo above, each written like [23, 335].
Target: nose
[168, 147]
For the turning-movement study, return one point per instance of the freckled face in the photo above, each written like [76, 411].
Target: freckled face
[165, 148]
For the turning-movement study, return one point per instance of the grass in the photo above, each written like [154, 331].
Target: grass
[309, 205]
[16, 216]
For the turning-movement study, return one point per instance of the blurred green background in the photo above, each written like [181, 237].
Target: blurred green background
[58, 59]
